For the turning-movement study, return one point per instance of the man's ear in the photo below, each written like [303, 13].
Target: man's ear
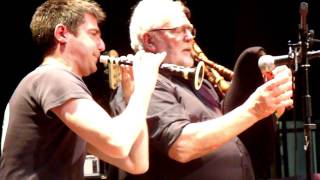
[148, 42]
[60, 33]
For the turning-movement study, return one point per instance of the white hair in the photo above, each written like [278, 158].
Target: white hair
[151, 14]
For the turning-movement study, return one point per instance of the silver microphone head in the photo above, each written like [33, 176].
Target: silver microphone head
[266, 63]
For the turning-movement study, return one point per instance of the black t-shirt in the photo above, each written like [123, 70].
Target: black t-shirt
[174, 104]
[38, 145]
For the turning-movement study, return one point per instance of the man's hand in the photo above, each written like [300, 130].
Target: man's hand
[143, 75]
[273, 96]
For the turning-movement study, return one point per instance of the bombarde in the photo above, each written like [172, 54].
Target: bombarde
[195, 74]
[218, 75]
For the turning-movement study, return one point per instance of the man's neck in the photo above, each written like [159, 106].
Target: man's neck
[59, 62]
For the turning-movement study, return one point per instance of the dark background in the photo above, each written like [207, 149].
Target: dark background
[224, 30]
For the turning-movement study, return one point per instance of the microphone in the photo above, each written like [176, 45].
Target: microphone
[267, 63]
[303, 17]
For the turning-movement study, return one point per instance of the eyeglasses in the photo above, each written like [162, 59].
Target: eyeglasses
[179, 31]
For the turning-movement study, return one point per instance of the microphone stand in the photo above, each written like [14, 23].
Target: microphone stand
[298, 56]
[304, 42]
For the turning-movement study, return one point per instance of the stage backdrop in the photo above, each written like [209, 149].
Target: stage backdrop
[224, 30]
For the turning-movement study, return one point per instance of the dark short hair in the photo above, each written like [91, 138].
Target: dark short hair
[68, 12]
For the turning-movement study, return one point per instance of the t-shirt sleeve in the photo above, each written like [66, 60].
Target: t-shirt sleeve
[166, 117]
[57, 86]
